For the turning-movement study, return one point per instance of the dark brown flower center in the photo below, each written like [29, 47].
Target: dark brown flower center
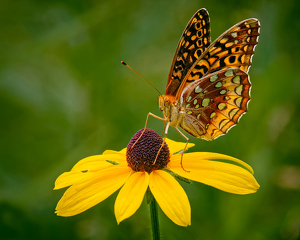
[141, 156]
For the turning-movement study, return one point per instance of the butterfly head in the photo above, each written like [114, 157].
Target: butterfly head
[165, 101]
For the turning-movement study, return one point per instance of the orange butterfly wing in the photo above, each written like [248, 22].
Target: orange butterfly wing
[193, 42]
[234, 48]
[214, 103]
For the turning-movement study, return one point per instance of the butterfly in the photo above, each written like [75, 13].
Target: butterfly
[208, 86]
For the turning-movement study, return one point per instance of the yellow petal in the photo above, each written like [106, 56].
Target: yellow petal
[92, 190]
[98, 162]
[131, 195]
[69, 178]
[177, 146]
[171, 197]
[123, 151]
[224, 176]
[114, 152]
[212, 156]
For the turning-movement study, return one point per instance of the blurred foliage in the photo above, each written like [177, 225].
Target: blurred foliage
[64, 95]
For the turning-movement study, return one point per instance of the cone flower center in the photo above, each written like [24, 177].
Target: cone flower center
[141, 157]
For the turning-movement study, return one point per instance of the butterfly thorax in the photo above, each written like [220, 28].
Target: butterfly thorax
[171, 109]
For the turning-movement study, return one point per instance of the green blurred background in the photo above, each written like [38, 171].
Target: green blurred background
[64, 96]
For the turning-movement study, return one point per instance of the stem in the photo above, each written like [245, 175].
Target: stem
[154, 217]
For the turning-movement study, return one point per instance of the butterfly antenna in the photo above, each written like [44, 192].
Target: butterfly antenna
[140, 76]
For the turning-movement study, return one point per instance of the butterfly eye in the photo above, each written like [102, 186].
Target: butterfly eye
[167, 103]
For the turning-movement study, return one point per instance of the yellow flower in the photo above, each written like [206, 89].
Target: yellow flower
[95, 178]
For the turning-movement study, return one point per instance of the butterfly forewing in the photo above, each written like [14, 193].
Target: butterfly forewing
[234, 48]
[193, 42]
[214, 103]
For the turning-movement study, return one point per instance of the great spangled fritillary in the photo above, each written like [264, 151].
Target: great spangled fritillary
[208, 87]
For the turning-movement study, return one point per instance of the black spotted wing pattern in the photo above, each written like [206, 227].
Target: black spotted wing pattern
[193, 42]
[234, 48]
[214, 103]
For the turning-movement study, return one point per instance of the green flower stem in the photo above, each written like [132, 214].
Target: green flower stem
[154, 217]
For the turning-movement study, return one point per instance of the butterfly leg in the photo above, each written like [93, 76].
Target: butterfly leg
[149, 114]
[163, 129]
[187, 142]
[166, 132]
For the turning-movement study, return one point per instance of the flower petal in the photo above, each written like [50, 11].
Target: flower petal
[123, 151]
[92, 190]
[69, 178]
[98, 162]
[87, 165]
[224, 176]
[171, 197]
[195, 156]
[177, 146]
[131, 195]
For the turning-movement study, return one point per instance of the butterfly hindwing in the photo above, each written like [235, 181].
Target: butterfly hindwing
[214, 103]
[193, 42]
